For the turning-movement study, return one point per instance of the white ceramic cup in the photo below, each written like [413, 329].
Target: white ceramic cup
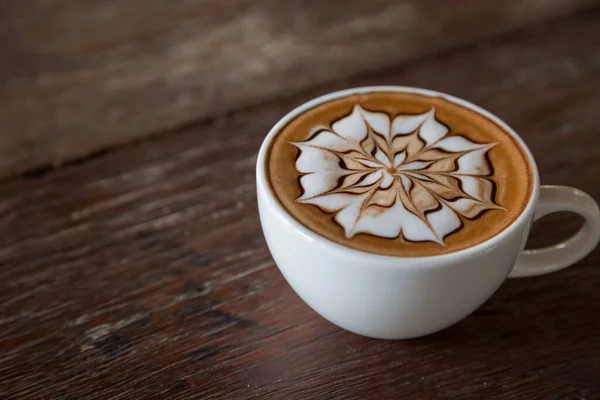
[405, 297]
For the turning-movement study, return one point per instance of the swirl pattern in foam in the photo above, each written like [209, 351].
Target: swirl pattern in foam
[399, 173]
[396, 176]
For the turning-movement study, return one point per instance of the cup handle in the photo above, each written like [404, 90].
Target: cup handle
[564, 254]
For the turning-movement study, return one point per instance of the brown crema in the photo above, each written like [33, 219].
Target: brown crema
[508, 178]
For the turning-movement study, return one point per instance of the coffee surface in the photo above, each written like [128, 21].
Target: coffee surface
[399, 173]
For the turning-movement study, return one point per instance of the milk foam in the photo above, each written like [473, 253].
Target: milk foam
[391, 176]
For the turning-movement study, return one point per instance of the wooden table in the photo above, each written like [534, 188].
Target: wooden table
[132, 263]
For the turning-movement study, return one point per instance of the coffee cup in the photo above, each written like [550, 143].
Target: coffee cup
[395, 212]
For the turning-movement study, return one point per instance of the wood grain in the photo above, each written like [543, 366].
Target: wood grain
[142, 273]
[78, 76]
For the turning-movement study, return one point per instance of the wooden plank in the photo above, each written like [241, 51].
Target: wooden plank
[77, 77]
[143, 273]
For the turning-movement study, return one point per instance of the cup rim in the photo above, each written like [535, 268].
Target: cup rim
[264, 189]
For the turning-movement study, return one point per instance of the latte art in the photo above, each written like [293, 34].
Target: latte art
[398, 173]
[392, 176]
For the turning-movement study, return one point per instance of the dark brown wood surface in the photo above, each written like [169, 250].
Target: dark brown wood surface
[78, 77]
[142, 272]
